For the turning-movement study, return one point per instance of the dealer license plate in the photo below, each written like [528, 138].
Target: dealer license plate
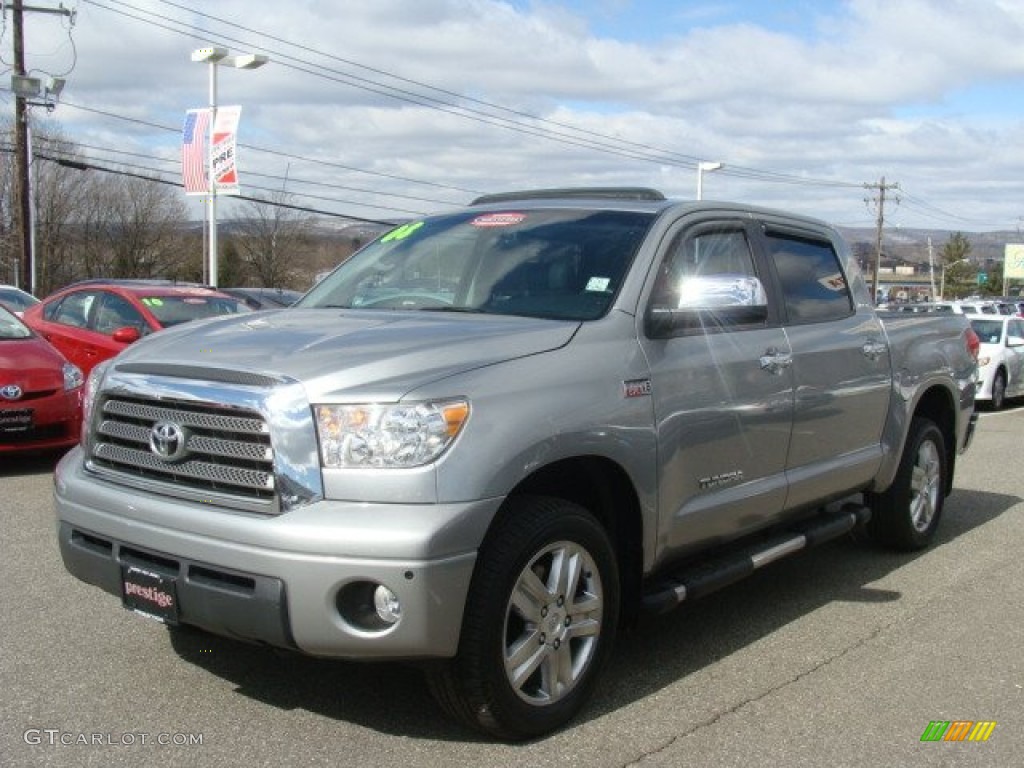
[19, 420]
[149, 593]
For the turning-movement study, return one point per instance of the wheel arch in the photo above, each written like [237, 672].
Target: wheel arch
[604, 489]
[938, 406]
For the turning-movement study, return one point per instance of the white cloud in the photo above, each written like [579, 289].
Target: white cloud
[879, 88]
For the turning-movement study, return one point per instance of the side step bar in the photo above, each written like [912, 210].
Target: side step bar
[704, 577]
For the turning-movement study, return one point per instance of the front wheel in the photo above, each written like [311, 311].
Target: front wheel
[906, 515]
[998, 391]
[539, 623]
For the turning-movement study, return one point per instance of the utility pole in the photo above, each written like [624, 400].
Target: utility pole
[21, 150]
[882, 187]
[22, 141]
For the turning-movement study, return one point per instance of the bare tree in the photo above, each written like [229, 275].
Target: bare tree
[133, 227]
[270, 239]
[61, 187]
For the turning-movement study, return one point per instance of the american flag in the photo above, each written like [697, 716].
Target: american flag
[194, 158]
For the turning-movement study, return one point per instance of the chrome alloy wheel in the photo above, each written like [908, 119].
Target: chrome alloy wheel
[925, 485]
[553, 623]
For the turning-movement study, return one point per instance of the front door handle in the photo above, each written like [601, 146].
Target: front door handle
[776, 362]
[873, 349]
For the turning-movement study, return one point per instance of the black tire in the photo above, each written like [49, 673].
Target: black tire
[546, 579]
[906, 516]
[999, 391]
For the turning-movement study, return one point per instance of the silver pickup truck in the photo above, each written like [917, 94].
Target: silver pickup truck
[493, 437]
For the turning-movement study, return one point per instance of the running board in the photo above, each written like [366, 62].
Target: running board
[707, 576]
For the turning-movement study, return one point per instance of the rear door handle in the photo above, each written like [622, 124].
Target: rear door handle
[776, 362]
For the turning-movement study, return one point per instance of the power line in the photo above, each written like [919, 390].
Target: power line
[287, 178]
[81, 165]
[597, 142]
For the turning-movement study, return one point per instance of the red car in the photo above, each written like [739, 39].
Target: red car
[91, 321]
[40, 391]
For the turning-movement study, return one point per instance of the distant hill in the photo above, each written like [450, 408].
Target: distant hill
[912, 244]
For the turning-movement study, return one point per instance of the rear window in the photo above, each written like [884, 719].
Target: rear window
[989, 331]
[552, 263]
[173, 310]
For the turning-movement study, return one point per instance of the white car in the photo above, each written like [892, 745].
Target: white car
[1000, 359]
[16, 299]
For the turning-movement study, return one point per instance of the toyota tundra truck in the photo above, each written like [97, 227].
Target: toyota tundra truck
[492, 438]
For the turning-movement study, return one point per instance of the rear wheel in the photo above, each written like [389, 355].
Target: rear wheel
[539, 622]
[906, 516]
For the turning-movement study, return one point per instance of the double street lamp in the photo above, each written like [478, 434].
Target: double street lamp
[218, 57]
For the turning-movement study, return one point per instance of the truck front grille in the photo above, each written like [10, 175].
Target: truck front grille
[184, 447]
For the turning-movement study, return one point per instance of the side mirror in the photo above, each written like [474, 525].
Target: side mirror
[1014, 341]
[702, 301]
[126, 335]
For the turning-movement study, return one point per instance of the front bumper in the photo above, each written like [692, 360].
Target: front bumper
[277, 579]
[56, 423]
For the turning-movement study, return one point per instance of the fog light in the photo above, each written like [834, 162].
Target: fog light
[386, 602]
[368, 606]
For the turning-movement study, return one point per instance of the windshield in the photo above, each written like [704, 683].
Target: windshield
[172, 310]
[15, 300]
[553, 263]
[11, 327]
[989, 331]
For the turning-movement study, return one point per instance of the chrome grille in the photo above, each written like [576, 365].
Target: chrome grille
[227, 452]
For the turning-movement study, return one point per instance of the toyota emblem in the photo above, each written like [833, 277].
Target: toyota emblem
[167, 440]
[11, 392]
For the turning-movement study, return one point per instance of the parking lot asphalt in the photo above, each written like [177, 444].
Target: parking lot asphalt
[841, 656]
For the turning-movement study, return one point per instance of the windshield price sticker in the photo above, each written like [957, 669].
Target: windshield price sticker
[498, 219]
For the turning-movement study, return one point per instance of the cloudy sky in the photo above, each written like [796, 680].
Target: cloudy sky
[387, 109]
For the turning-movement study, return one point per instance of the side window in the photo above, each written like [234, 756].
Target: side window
[813, 286]
[702, 253]
[74, 309]
[117, 312]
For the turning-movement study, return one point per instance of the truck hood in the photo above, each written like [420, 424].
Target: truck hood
[338, 353]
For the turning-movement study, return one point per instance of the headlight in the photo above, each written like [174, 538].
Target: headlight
[397, 435]
[92, 386]
[73, 377]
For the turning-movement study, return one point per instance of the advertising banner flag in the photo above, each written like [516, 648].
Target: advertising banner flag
[1013, 266]
[194, 156]
[225, 171]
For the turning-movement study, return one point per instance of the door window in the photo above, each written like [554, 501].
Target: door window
[814, 289]
[74, 309]
[117, 312]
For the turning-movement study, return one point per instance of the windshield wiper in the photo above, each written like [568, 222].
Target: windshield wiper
[469, 310]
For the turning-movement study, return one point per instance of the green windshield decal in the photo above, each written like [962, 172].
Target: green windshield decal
[402, 232]
[153, 301]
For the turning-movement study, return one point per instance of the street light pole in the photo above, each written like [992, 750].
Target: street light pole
[942, 289]
[214, 57]
[704, 167]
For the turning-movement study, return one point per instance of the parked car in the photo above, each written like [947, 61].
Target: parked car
[94, 320]
[264, 298]
[16, 299]
[978, 307]
[492, 434]
[40, 391]
[1000, 358]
